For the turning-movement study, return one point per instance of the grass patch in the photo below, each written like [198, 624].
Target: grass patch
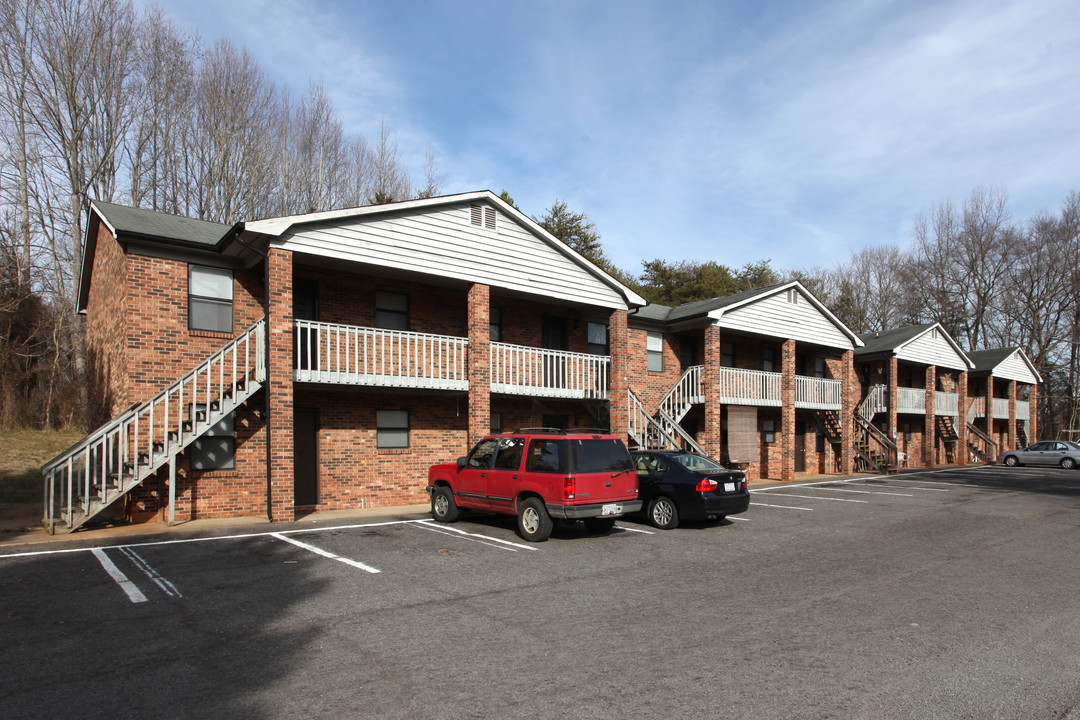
[22, 453]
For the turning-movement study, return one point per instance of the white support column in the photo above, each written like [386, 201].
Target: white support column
[172, 490]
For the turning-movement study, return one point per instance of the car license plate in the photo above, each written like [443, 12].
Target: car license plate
[729, 487]
[611, 509]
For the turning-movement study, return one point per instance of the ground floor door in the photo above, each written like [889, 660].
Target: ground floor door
[800, 446]
[306, 457]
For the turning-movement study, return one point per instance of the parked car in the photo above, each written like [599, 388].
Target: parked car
[1048, 452]
[676, 486]
[537, 476]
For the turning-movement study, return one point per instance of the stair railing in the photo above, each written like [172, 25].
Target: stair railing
[643, 427]
[683, 394]
[117, 456]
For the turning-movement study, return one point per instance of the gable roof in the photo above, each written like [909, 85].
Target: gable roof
[918, 343]
[434, 236]
[1009, 363]
[720, 309]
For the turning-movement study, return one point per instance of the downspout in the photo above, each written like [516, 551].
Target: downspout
[234, 233]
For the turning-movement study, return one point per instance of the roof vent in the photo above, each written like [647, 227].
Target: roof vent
[482, 216]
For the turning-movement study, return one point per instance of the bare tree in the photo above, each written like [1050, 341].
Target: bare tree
[432, 182]
[389, 180]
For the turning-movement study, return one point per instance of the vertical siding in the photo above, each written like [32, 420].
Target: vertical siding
[444, 242]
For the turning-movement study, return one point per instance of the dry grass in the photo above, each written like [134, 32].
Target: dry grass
[22, 453]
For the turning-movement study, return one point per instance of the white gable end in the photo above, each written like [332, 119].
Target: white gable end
[932, 348]
[1014, 368]
[775, 316]
[444, 242]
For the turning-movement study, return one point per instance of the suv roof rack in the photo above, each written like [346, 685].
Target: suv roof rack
[564, 431]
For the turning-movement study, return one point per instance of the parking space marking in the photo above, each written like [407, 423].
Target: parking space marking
[634, 529]
[864, 492]
[816, 497]
[471, 537]
[914, 487]
[167, 587]
[783, 507]
[133, 592]
[326, 553]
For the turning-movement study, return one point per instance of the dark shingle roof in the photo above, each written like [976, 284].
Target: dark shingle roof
[886, 340]
[699, 308]
[151, 224]
[989, 359]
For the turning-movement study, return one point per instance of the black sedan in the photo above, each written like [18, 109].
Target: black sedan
[679, 485]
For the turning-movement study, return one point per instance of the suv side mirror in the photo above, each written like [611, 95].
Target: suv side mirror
[461, 462]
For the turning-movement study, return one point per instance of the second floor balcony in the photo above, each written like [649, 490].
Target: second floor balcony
[758, 387]
[373, 357]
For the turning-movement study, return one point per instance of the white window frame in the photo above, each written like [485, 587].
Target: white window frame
[200, 294]
[654, 351]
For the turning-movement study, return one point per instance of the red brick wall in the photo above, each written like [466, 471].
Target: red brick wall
[106, 331]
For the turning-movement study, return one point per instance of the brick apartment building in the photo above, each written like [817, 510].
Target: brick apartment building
[324, 361]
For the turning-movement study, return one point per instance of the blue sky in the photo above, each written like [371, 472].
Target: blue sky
[726, 131]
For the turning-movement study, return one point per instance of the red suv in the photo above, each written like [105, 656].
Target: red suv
[538, 475]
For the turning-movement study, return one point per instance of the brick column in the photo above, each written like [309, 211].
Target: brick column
[1033, 408]
[961, 453]
[280, 380]
[930, 419]
[787, 411]
[618, 397]
[894, 370]
[479, 362]
[1012, 415]
[710, 387]
[849, 394]
[990, 415]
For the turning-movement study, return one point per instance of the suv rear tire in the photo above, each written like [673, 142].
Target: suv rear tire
[443, 507]
[534, 523]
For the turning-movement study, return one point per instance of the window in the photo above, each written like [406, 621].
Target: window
[210, 299]
[216, 448]
[768, 360]
[546, 456]
[495, 324]
[819, 366]
[496, 422]
[392, 428]
[598, 339]
[793, 296]
[509, 457]
[391, 311]
[482, 454]
[768, 429]
[727, 354]
[654, 347]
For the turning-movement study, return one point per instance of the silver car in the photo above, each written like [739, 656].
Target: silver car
[1048, 452]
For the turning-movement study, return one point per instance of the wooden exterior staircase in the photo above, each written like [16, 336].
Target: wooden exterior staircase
[662, 431]
[83, 481]
[981, 447]
[946, 430]
[874, 450]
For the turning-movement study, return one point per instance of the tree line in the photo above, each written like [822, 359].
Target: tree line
[101, 100]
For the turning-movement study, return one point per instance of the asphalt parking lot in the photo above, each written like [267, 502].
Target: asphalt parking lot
[950, 594]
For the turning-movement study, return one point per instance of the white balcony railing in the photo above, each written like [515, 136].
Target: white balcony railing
[876, 401]
[946, 403]
[351, 355]
[818, 393]
[749, 387]
[911, 400]
[1001, 408]
[977, 408]
[521, 370]
[1023, 410]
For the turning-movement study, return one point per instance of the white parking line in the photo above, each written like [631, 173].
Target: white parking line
[915, 487]
[167, 587]
[783, 507]
[637, 530]
[863, 492]
[326, 553]
[482, 539]
[133, 593]
[815, 497]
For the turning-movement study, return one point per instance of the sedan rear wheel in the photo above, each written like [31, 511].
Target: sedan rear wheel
[663, 514]
[1068, 463]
